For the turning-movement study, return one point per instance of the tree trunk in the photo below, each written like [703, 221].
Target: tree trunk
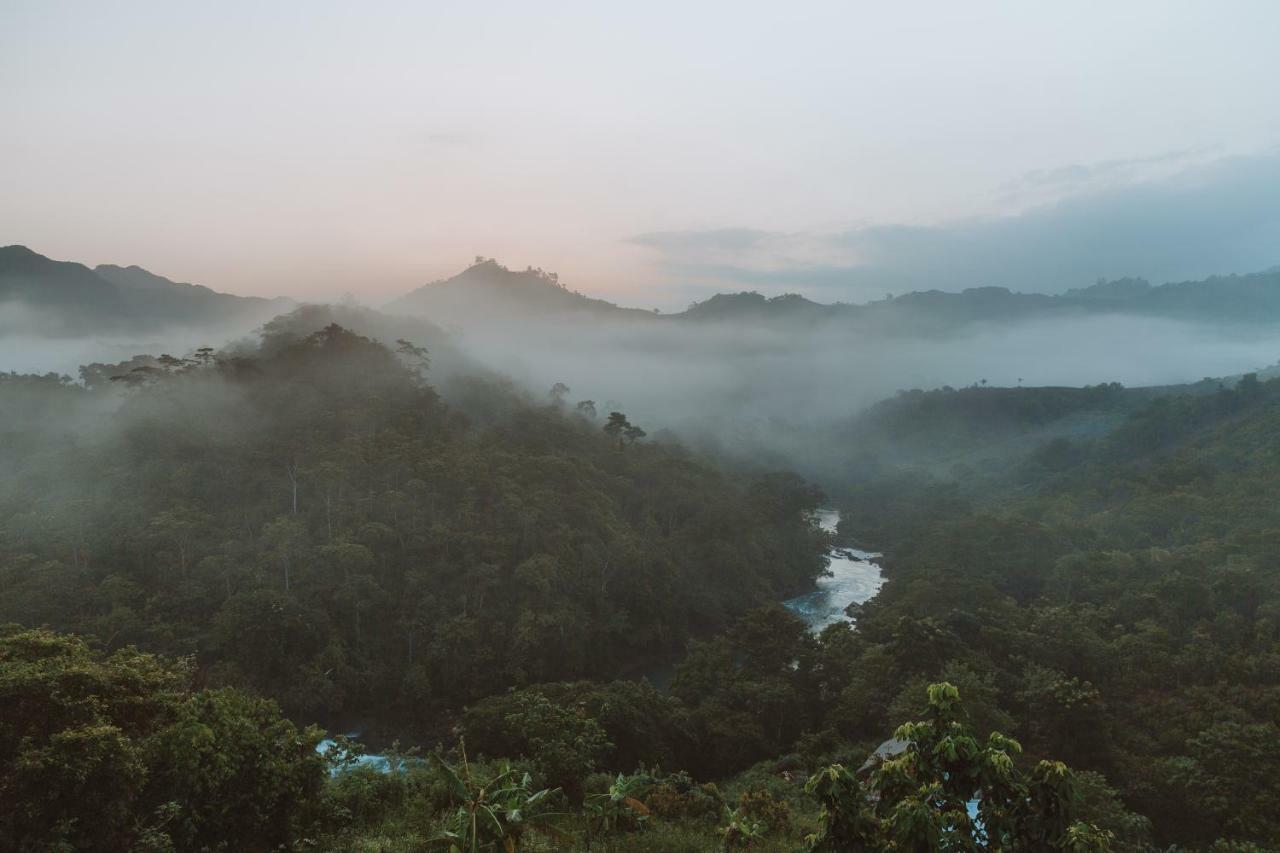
[292, 469]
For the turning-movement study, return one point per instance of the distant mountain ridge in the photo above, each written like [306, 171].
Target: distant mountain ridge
[488, 290]
[68, 298]
[1250, 298]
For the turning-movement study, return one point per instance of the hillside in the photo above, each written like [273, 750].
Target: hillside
[66, 298]
[755, 307]
[182, 301]
[948, 431]
[488, 291]
[1116, 592]
[63, 298]
[58, 296]
[312, 520]
[1236, 299]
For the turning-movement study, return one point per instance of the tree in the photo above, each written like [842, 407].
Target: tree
[106, 752]
[139, 377]
[616, 427]
[242, 775]
[558, 392]
[415, 356]
[941, 789]
[171, 364]
[563, 745]
[73, 730]
[622, 430]
[587, 408]
[492, 814]
[1230, 777]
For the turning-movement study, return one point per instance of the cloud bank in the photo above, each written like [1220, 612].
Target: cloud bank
[1212, 218]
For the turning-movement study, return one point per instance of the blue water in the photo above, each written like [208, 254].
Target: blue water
[854, 577]
[378, 762]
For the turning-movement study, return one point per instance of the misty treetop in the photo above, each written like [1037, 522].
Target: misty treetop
[329, 522]
[311, 520]
[1116, 592]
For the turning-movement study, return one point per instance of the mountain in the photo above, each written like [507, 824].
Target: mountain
[66, 298]
[58, 296]
[180, 299]
[1233, 298]
[755, 306]
[1252, 298]
[487, 291]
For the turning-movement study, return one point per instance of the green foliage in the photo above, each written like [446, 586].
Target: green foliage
[1230, 776]
[846, 821]
[918, 799]
[108, 752]
[1095, 570]
[644, 726]
[316, 524]
[1121, 610]
[741, 831]
[622, 430]
[493, 813]
[679, 796]
[759, 805]
[620, 807]
[748, 689]
[239, 770]
[562, 744]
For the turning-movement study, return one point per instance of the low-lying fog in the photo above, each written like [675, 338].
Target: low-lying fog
[718, 382]
[671, 373]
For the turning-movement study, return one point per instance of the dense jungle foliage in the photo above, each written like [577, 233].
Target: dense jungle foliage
[119, 752]
[307, 531]
[313, 522]
[1116, 597]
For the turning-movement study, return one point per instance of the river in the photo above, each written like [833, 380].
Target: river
[853, 578]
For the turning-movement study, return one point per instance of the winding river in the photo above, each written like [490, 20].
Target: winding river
[853, 578]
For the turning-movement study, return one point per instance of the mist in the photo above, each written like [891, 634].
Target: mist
[1056, 229]
[722, 383]
[717, 382]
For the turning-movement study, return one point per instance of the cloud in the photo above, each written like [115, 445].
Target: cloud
[749, 257]
[732, 239]
[450, 138]
[1219, 217]
[1104, 174]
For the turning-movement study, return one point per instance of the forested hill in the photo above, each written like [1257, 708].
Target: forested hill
[1248, 299]
[62, 298]
[1117, 594]
[951, 431]
[488, 291]
[311, 520]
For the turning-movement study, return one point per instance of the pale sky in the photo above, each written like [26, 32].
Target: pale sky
[648, 152]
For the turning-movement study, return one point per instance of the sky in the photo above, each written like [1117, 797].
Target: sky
[649, 153]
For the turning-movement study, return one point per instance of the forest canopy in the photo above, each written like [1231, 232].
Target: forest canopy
[312, 530]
